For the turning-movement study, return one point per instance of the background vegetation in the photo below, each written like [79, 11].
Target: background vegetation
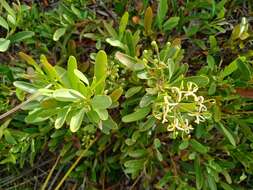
[126, 94]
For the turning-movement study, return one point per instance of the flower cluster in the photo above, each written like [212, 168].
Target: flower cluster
[179, 106]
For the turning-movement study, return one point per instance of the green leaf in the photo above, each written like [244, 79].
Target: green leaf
[197, 146]
[123, 24]
[115, 95]
[102, 113]
[211, 183]
[81, 76]
[59, 33]
[137, 115]
[148, 19]
[130, 43]
[110, 30]
[8, 137]
[184, 145]
[4, 44]
[67, 95]
[100, 71]
[198, 173]
[72, 66]
[25, 86]
[130, 62]
[101, 102]
[61, 117]
[245, 72]
[4, 23]
[93, 116]
[76, 120]
[20, 36]
[115, 43]
[7, 7]
[49, 69]
[132, 91]
[229, 69]
[226, 186]
[228, 134]
[210, 62]
[161, 12]
[171, 23]
[200, 81]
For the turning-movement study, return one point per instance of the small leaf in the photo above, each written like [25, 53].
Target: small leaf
[7, 7]
[20, 36]
[197, 146]
[8, 137]
[48, 68]
[67, 95]
[229, 69]
[100, 71]
[137, 115]
[198, 173]
[123, 24]
[61, 117]
[115, 95]
[101, 102]
[59, 33]
[148, 19]
[200, 81]
[161, 12]
[4, 23]
[102, 113]
[115, 43]
[4, 44]
[81, 76]
[132, 91]
[25, 86]
[228, 134]
[210, 62]
[171, 23]
[72, 66]
[130, 62]
[184, 145]
[76, 120]
[211, 183]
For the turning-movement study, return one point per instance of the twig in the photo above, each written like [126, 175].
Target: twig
[50, 173]
[74, 164]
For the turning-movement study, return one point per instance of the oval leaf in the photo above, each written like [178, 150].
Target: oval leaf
[76, 120]
[137, 115]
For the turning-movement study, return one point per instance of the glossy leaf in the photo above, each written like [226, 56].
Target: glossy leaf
[4, 44]
[100, 71]
[76, 120]
[25, 86]
[81, 76]
[67, 95]
[61, 117]
[59, 33]
[72, 66]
